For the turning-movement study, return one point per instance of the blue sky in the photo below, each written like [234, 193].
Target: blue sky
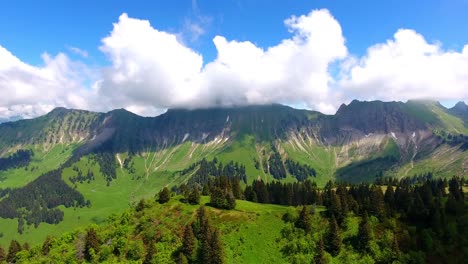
[76, 29]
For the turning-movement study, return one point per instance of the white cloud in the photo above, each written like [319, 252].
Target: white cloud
[407, 67]
[151, 68]
[30, 91]
[78, 51]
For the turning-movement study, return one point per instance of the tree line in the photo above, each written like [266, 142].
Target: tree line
[20, 158]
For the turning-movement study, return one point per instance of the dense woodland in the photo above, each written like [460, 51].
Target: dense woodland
[20, 158]
[38, 201]
[413, 220]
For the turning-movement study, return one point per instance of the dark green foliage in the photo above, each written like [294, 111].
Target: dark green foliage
[189, 243]
[47, 245]
[194, 196]
[364, 236]
[14, 248]
[333, 238]
[276, 165]
[303, 221]
[92, 244]
[210, 246]
[217, 249]
[300, 171]
[298, 193]
[107, 165]
[20, 158]
[319, 256]
[455, 139]
[208, 170]
[3, 254]
[40, 199]
[223, 199]
[164, 195]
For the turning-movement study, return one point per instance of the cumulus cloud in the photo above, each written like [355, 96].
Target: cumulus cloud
[30, 91]
[407, 67]
[151, 70]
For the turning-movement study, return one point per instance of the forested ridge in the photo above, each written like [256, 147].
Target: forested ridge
[414, 220]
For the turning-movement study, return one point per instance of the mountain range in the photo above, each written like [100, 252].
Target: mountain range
[110, 160]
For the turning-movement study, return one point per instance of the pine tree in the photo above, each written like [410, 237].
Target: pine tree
[303, 221]
[194, 196]
[319, 256]
[217, 251]
[91, 244]
[364, 234]
[189, 242]
[14, 248]
[46, 245]
[389, 199]
[333, 238]
[164, 195]
[3, 255]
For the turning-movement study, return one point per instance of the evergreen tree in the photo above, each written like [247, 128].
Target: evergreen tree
[189, 243]
[164, 195]
[91, 244]
[3, 255]
[364, 234]
[194, 196]
[47, 245]
[389, 199]
[333, 238]
[303, 221]
[319, 256]
[14, 248]
[217, 251]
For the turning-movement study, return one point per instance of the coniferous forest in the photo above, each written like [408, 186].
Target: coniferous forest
[413, 220]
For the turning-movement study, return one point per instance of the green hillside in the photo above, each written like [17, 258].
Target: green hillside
[115, 159]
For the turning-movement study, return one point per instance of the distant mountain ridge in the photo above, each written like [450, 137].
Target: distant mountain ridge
[416, 127]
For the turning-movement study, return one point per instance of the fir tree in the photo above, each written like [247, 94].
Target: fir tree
[217, 251]
[303, 221]
[91, 244]
[164, 195]
[319, 256]
[189, 242]
[194, 196]
[3, 255]
[47, 245]
[333, 238]
[364, 234]
[14, 248]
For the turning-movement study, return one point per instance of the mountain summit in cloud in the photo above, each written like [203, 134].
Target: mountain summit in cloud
[150, 70]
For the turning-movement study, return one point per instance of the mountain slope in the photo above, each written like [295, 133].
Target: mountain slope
[114, 159]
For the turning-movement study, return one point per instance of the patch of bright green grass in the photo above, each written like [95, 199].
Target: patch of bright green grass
[43, 161]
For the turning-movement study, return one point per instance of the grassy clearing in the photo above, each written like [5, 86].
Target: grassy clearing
[42, 162]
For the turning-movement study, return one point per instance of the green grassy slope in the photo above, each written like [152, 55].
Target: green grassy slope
[44, 160]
